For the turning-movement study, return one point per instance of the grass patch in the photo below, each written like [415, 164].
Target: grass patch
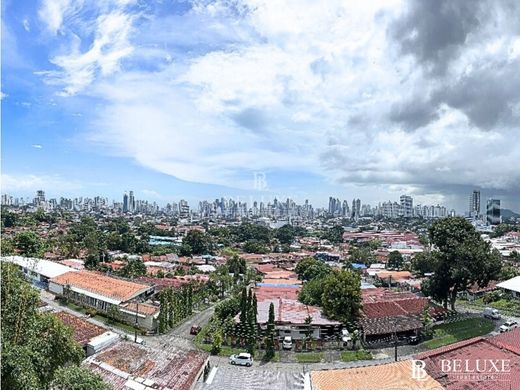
[309, 357]
[349, 356]
[105, 320]
[457, 331]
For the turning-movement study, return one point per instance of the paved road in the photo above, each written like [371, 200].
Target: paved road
[180, 336]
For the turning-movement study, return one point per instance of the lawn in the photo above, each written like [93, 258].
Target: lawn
[349, 356]
[309, 357]
[105, 320]
[457, 331]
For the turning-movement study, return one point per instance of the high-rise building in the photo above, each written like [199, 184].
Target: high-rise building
[184, 209]
[406, 207]
[131, 202]
[125, 203]
[474, 204]
[493, 211]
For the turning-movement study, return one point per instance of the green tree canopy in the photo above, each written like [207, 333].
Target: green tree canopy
[34, 345]
[29, 244]
[76, 378]
[423, 263]
[197, 241]
[341, 298]
[461, 258]
[395, 260]
[334, 234]
[309, 268]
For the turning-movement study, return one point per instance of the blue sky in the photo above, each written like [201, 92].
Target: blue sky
[192, 99]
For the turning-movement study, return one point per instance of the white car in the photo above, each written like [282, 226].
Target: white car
[345, 336]
[242, 359]
[508, 325]
[287, 342]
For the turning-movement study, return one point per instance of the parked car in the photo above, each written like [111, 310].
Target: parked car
[242, 359]
[287, 342]
[489, 312]
[195, 329]
[508, 325]
[413, 340]
[345, 336]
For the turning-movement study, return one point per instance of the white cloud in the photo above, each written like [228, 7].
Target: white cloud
[37, 146]
[287, 85]
[77, 69]
[31, 182]
[26, 25]
[52, 13]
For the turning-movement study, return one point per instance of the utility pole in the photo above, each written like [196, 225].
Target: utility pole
[395, 344]
[137, 323]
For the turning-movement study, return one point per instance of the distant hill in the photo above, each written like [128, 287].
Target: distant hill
[506, 214]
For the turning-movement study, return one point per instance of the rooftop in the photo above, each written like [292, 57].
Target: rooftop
[47, 268]
[511, 284]
[383, 377]
[288, 311]
[126, 364]
[83, 330]
[99, 284]
[274, 292]
[502, 347]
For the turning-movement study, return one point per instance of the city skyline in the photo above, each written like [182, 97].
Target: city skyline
[130, 204]
[194, 100]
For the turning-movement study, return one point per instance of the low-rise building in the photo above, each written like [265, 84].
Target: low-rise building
[128, 365]
[291, 316]
[512, 286]
[38, 271]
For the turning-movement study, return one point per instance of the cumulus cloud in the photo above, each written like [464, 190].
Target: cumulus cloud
[401, 94]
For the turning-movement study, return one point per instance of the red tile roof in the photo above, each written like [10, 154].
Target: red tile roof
[469, 352]
[83, 330]
[272, 292]
[100, 284]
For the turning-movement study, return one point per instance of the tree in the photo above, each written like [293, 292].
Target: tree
[311, 292]
[334, 234]
[310, 268]
[395, 260]
[508, 272]
[34, 344]
[269, 345]
[422, 263]
[77, 378]
[362, 255]
[254, 246]
[236, 265]
[29, 244]
[133, 269]
[163, 313]
[461, 258]
[197, 241]
[285, 234]
[341, 298]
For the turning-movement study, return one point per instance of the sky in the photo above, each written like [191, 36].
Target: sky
[253, 99]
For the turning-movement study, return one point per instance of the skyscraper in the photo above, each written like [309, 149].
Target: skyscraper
[406, 209]
[125, 203]
[493, 211]
[131, 202]
[474, 204]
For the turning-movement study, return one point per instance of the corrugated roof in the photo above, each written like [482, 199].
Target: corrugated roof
[47, 268]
